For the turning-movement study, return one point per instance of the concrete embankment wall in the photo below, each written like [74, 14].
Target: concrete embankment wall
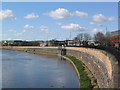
[103, 65]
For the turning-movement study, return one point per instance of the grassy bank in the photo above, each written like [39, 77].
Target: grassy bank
[85, 81]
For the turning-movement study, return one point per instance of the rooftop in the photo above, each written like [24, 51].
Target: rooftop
[115, 33]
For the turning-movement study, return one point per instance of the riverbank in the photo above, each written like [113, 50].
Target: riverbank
[86, 78]
[102, 65]
[32, 50]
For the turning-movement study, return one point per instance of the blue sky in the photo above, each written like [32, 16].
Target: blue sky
[45, 21]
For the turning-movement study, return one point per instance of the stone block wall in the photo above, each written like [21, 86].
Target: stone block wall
[51, 51]
[105, 69]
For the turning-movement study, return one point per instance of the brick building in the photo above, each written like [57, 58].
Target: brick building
[115, 38]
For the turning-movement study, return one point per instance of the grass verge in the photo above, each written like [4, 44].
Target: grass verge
[85, 81]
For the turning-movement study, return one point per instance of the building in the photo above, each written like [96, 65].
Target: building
[55, 43]
[70, 43]
[7, 42]
[19, 43]
[115, 37]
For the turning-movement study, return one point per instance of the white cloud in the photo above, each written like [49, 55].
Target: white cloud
[11, 30]
[24, 31]
[59, 24]
[73, 27]
[18, 34]
[31, 16]
[92, 23]
[95, 30]
[44, 29]
[28, 26]
[60, 13]
[102, 18]
[81, 14]
[7, 15]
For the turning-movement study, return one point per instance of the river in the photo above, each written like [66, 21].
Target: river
[24, 70]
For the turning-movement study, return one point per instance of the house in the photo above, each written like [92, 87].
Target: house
[70, 42]
[55, 43]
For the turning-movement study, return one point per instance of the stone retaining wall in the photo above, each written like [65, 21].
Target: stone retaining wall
[106, 73]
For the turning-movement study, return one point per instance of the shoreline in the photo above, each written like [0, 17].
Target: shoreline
[91, 79]
[74, 66]
[66, 58]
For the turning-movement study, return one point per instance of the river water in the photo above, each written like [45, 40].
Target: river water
[24, 70]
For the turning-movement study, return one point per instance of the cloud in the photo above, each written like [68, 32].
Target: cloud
[11, 30]
[18, 34]
[81, 14]
[92, 23]
[73, 27]
[7, 15]
[31, 16]
[60, 13]
[59, 24]
[44, 29]
[24, 31]
[95, 30]
[102, 18]
[28, 26]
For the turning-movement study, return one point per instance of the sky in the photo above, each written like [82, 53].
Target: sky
[56, 20]
[60, 0]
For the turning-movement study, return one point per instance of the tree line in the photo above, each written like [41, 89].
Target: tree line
[100, 38]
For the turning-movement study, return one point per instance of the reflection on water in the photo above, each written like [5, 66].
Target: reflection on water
[23, 70]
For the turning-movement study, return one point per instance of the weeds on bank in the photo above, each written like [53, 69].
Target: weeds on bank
[85, 81]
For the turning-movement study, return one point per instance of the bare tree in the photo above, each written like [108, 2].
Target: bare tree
[100, 38]
[83, 38]
[108, 39]
[80, 38]
[103, 39]
[76, 40]
[87, 37]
